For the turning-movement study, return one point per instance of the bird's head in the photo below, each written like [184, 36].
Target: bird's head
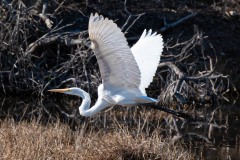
[70, 91]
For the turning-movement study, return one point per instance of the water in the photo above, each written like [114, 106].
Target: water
[217, 139]
[224, 138]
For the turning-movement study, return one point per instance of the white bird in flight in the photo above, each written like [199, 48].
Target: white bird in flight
[125, 71]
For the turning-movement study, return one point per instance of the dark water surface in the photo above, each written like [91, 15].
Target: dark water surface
[219, 139]
[225, 142]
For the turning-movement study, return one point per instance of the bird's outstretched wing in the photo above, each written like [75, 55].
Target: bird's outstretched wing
[147, 52]
[116, 62]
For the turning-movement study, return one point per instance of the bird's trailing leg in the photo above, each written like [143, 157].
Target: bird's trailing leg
[178, 114]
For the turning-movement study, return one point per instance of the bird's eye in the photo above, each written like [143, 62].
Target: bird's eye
[69, 90]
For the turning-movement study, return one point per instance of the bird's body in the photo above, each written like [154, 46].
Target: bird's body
[123, 97]
[125, 72]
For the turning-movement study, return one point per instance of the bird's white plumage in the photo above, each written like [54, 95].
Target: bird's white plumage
[147, 52]
[125, 72]
[118, 68]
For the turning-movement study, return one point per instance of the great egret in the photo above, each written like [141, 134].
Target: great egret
[125, 72]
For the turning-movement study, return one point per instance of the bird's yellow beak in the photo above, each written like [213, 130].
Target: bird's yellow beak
[59, 90]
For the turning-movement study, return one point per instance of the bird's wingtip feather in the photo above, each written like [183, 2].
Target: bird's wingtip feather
[143, 34]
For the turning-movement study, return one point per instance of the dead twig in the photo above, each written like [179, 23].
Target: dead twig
[171, 25]
[47, 21]
[129, 17]
[43, 15]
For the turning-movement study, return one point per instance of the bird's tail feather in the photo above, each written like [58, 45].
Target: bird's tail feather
[145, 99]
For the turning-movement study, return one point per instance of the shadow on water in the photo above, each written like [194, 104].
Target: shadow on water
[217, 137]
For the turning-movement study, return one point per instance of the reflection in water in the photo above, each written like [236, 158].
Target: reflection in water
[217, 139]
[225, 142]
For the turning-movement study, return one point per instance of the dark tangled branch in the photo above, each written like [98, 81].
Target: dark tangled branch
[180, 84]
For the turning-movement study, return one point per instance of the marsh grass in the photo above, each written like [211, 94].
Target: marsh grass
[121, 133]
[32, 140]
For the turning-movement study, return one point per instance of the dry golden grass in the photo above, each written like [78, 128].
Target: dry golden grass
[31, 140]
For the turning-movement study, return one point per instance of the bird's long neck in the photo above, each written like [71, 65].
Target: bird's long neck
[86, 102]
[85, 109]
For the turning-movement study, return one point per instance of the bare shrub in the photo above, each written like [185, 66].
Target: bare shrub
[43, 48]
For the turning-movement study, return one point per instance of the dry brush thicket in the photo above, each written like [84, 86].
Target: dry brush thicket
[45, 45]
[40, 53]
